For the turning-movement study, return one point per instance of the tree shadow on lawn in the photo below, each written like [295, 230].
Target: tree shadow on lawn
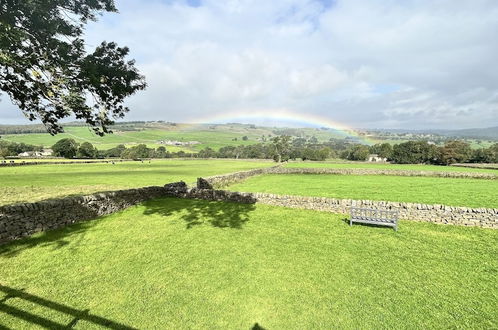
[197, 212]
[194, 212]
[56, 238]
[34, 319]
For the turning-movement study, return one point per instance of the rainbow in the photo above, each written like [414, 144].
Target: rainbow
[283, 115]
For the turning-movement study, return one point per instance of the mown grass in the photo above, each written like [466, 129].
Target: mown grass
[427, 190]
[188, 264]
[37, 182]
[342, 164]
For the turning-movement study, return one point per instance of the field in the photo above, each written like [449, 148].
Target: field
[339, 163]
[427, 190]
[215, 138]
[175, 264]
[37, 182]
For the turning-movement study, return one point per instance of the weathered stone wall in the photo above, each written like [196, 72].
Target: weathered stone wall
[481, 217]
[21, 220]
[220, 181]
[490, 166]
[224, 180]
[369, 171]
[464, 216]
[8, 163]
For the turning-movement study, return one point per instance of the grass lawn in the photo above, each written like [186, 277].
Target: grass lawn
[427, 190]
[32, 183]
[188, 264]
[342, 164]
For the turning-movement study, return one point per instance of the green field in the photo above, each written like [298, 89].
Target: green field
[214, 138]
[38, 182]
[189, 264]
[427, 190]
[338, 163]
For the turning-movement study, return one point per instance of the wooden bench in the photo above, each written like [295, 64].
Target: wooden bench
[374, 217]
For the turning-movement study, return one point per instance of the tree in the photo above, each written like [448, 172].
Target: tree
[87, 150]
[66, 148]
[137, 152]
[414, 152]
[454, 152]
[116, 151]
[245, 138]
[384, 150]
[358, 152]
[160, 152]
[482, 156]
[281, 148]
[207, 153]
[46, 71]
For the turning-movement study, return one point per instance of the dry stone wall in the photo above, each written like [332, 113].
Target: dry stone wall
[7, 163]
[490, 166]
[464, 216]
[224, 180]
[220, 181]
[481, 217]
[21, 220]
[369, 171]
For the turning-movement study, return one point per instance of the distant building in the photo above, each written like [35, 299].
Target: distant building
[376, 158]
[43, 153]
[178, 143]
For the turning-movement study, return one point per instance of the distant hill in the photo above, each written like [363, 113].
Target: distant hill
[476, 133]
[490, 133]
[194, 137]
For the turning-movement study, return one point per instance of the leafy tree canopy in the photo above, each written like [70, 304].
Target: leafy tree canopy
[86, 150]
[48, 74]
[66, 148]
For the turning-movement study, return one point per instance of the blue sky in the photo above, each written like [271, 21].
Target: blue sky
[364, 63]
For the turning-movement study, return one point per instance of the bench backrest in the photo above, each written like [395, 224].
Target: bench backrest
[373, 214]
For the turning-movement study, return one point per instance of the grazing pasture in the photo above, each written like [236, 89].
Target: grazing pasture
[427, 190]
[38, 182]
[213, 138]
[172, 263]
[344, 164]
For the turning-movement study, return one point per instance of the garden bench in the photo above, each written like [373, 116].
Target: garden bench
[374, 217]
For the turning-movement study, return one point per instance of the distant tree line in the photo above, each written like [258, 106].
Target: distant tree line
[422, 152]
[8, 148]
[282, 148]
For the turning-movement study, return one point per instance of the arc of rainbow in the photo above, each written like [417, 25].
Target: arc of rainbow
[286, 116]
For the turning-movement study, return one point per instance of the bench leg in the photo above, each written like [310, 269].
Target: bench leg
[350, 222]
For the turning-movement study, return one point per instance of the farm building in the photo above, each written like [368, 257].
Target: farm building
[376, 158]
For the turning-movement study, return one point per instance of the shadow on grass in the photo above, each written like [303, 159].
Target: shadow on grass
[56, 239]
[197, 212]
[193, 212]
[346, 220]
[76, 314]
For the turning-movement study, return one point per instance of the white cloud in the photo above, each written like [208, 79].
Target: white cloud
[367, 63]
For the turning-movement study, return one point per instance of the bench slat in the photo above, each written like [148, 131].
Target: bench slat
[374, 216]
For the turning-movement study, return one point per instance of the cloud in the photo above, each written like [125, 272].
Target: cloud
[366, 63]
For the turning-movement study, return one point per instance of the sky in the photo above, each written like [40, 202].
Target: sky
[408, 64]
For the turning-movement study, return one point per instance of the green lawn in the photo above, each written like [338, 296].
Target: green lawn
[187, 264]
[428, 190]
[37, 182]
[342, 164]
